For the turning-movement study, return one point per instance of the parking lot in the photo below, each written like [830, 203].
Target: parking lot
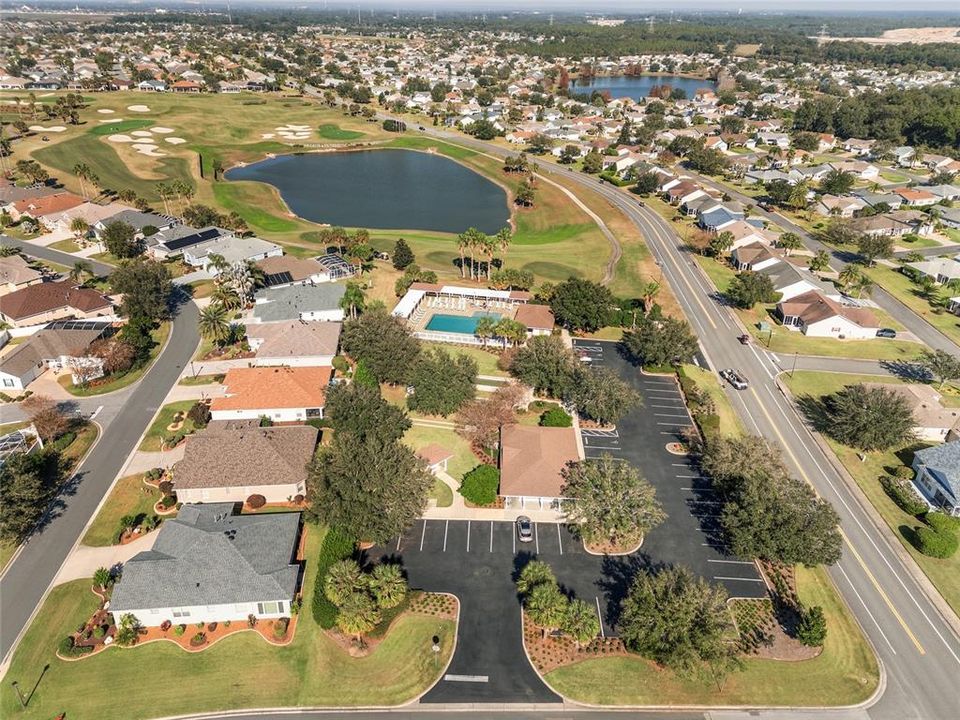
[691, 535]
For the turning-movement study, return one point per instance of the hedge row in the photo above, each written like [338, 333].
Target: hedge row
[337, 545]
[903, 495]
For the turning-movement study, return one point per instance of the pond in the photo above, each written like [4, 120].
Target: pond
[638, 86]
[386, 189]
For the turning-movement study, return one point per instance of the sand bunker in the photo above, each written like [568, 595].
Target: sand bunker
[120, 138]
[148, 149]
[142, 133]
[161, 130]
[268, 136]
[293, 132]
[111, 120]
[175, 140]
[138, 108]
[52, 128]
[105, 111]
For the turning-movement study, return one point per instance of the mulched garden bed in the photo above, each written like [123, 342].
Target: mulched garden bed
[553, 651]
[608, 548]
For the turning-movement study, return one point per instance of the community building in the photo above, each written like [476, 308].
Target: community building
[532, 459]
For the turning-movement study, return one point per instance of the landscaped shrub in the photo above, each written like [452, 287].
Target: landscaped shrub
[904, 473]
[280, 627]
[199, 414]
[165, 625]
[480, 485]
[179, 630]
[168, 501]
[166, 487]
[256, 501]
[318, 423]
[63, 442]
[198, 639]
[941, 522]
[154, 474]
[556, 417]
[69, 648]
[812, 628]
[340, 364]
[298, 499]
[265, 421]
[252, 620]
[936, 544]
[99, 631]
[903, 495]
[337, 545]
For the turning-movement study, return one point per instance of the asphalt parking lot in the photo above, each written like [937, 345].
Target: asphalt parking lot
[691, 535]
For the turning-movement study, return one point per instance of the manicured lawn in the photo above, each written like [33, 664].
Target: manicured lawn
[944, 574]
[67, 246]
[918, 243]
[442, 493]
[118, 382]
[463, 459]
[486, 360]
[240, 671]
[330, 131]
[906, 291]
[128, 497]
[202, 379]
[709, 383]
[7, 549]
[845, 672]
[158, 431]
[808, 382]
[121, 126]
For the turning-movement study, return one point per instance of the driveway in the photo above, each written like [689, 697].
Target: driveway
[691, 534]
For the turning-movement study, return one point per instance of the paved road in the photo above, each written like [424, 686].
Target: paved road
[25, 582]
[45, 253]
[922, 329]
[914, 640]
[930, 252]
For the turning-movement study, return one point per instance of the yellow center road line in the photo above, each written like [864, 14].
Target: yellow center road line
[846, 540]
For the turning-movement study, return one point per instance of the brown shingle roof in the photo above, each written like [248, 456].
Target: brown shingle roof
[812, 307]
[295, 338]
[274, 387]
[531, 459]
[230, 456]
[44, 297]
[298, 269]
[49, 344]
[14, 270]
[535, 316]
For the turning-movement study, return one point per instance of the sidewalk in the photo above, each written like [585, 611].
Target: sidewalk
[85, 560]
[140, 462]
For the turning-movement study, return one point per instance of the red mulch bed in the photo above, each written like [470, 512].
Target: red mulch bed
[553, 651]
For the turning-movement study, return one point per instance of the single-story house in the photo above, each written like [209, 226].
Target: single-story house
[917, 197]
[788, 280]
[941, 270]
[934, 422]
[950, 217]
[532, 459]
[49, 301]
[298, 302]
[754, 256]
[39, 207]
[54, 347]
[283, 270]
[938, 476]
[172, 241]
[211, 565]
[839, 205]
[90, 212]
[229, 462]
[138, 220]
[16, 274]
[282, 394]
[539, 319]
[294, 343]
[745, 233]
[815, 315]
[232, 249]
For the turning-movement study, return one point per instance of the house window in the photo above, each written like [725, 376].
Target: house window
[180, 612]
[268, 608]
[7, 383]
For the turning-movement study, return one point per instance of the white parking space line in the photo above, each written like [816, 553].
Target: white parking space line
[704, 490]
[684, 415]
[731, 562]
[446, 527]
[399, 538]
[695, 477]
[665, 407]
[423, 535]
[600, 617]
[491, 536]
[468, 536]
[514, 536]
[467, 678]
[603, 447]
[723, 577]
[536, 535]
[672, 424]
[559, 538]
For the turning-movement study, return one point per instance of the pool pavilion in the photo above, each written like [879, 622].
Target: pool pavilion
[448, 313]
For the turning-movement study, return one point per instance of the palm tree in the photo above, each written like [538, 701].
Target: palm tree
[485, 328]
[388, 585]
[219, 264]
[9, 250]
[227, 297]
[789, 241]
[864, 285]
[463, 243]
[79, 227]
[353, 300]
[850, 275]
[581, 622]
[165, 193]
[83, 172]
[79, 269]
[213, 324]
[546, 606]
[503, 238]
[357, 615]
[101, 578]
[648, 291]
[535, 572]
[343, 580]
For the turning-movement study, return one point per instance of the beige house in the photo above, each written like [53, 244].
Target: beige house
[230, 461]
[16, 274]
[934, 422]
[45, 302]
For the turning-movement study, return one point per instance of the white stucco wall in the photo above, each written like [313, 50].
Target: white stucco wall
[152, 617]
[273, 493]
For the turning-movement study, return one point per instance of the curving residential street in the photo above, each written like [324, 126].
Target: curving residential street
[123, 419]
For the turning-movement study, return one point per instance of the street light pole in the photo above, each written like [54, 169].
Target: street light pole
[16, 686]
[794, 368]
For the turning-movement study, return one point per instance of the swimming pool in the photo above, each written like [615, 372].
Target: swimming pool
[458, 323]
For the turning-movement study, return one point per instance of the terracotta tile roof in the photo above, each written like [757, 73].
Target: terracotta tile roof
[274, 387]
[40, 206]
[531, 459]
[230, 456]
[44, 297]
[535, 316]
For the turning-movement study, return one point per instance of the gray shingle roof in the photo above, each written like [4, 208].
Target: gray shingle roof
[208, 556]
[287, 303]
[945, 461]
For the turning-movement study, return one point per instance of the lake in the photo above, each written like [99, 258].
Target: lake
[638, 86]
[386, 189]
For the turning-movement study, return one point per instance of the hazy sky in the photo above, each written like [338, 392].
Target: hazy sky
[632, 6]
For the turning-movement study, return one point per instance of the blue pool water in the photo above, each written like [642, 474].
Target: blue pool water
[457, 323]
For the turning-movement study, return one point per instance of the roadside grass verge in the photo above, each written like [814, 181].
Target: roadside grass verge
[153, 440]
[118, 382]
[240, 671]
[845, 673]
[907, 292]
[128, 497]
